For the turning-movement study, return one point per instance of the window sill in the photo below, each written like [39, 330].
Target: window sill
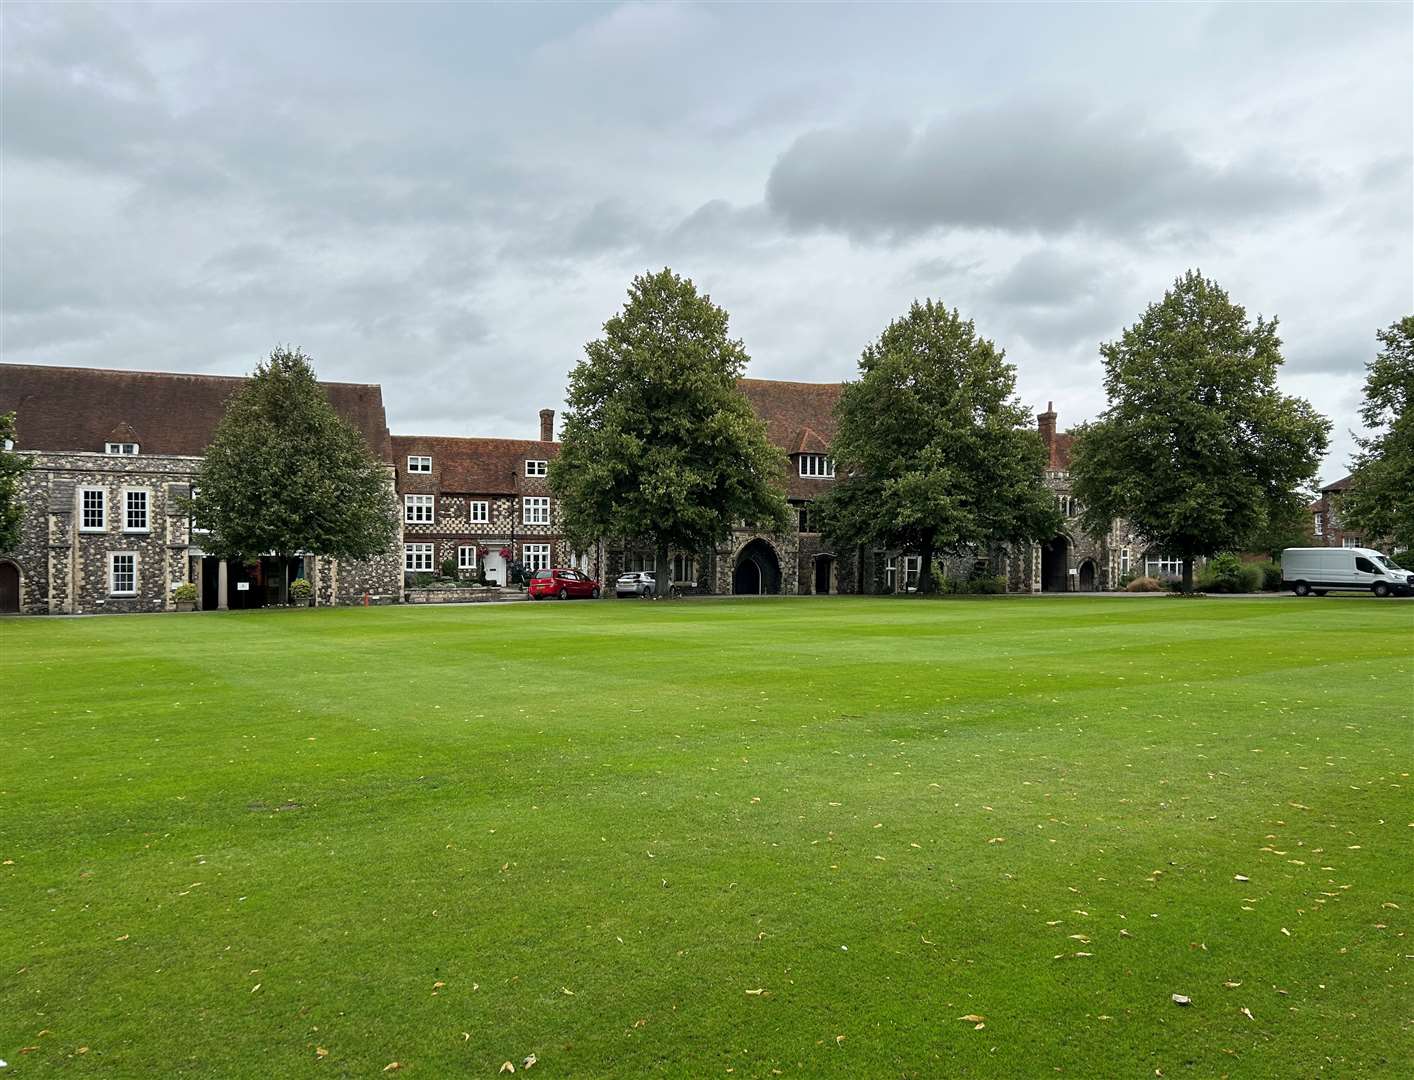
[137, 532]
[92, 532]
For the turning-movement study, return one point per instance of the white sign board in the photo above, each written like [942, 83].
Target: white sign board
[243, 586]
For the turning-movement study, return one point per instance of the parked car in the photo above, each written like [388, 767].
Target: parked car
[1315, 570]
[563, 583]
[636, 583]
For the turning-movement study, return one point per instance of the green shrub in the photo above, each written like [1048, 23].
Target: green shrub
[448, 568]
[1271, 575]
[184, 593]
[1144, 584]
[300, 591]
[1226, 573]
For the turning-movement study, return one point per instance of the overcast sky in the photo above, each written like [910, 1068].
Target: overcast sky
[451, 199]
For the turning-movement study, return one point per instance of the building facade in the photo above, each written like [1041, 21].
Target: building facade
[113, 456]
[115, 453]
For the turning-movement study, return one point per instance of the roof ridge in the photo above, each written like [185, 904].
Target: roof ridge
[167, 374]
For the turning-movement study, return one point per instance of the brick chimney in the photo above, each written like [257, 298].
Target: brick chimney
[547, 425]
[1046, 425]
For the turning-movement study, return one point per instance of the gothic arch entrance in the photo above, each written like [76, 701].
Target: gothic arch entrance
[1055, 564]
[757, 571]
[1087, 576]
[9, 588]
[824, 572]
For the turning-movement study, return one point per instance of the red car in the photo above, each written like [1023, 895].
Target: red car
[562, 583]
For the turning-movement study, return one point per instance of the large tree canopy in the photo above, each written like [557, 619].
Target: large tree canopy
[285, 473]
[12, 466]
[1197, 449]
[658, 443]
[1380, 500]
[934, 452]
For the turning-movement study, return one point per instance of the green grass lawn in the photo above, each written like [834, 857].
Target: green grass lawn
[796, 837]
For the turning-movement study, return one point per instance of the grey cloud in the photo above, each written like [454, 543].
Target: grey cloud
[1047, 278]
[1017, 167]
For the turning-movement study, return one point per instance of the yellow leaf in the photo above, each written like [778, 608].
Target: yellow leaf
[972, 1018]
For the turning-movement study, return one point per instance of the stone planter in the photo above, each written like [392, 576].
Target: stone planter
[186, 605]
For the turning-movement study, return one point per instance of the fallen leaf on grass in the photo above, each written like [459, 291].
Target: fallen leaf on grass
[1182, 999]
[839, 1039]
[506, 1067]
[566, 990]
[997, 840]
[973, 1018]
[1248, 1013]
[1240, 877]
[320, 1052]
[530, 1060]
[760, 991]
[392, 1066]
[1232, 985]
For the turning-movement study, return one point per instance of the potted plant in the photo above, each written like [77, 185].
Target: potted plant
[301, 592]
[184, 596]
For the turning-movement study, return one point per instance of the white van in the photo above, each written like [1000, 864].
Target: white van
[1315, 570]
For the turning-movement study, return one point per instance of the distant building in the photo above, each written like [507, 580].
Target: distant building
[1328, 527]
[114, 452]
[112, 455]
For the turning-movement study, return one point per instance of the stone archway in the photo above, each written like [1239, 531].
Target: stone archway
[824, 573]
[9, 588]
[757, 570]
[1055, 564]
[1087, 576]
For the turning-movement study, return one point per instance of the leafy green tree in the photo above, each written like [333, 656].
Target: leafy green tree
[1288, 524]
[285, 473]
[12, 467]
[1197, 449]
[657, 442]
[1380, 500]
[933, 451]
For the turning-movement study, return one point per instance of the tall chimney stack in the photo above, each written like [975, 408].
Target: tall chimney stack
[547, 425]
[1046, 425]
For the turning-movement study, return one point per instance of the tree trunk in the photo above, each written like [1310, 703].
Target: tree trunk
[663, 579]
[1187, 572]
[284, 580]
[926, 584]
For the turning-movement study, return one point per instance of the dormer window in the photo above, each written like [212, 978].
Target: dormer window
[127, 449]
[419, 463]
[536, 468]
[817, 466]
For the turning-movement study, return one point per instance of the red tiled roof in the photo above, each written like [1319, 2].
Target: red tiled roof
[1060, 450]
[75, 408]
[471, 466]
[800, 419]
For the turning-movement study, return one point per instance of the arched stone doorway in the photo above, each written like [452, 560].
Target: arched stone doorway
[824, 573]
[1087, 576]
[757, 570]
[9, 589]
[1055, 564]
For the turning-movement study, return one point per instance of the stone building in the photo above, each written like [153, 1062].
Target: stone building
[113, 455]
[482, 503]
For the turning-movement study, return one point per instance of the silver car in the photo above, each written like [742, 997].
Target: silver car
[636, 583]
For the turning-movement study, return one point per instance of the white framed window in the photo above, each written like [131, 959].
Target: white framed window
[466, 557]
[1350, 542]
[417, 509]
[535, 556]
[478, 512]
[636, 561]
[127, 449]
[1124, 556]
[93, 513]
[419, 463]
[684, 569]
[417, 558]
[1318, 524]
[1163, 566]
[536, 468]
[817, 466]
[535, 510]
[135, 511]
[122, 573]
